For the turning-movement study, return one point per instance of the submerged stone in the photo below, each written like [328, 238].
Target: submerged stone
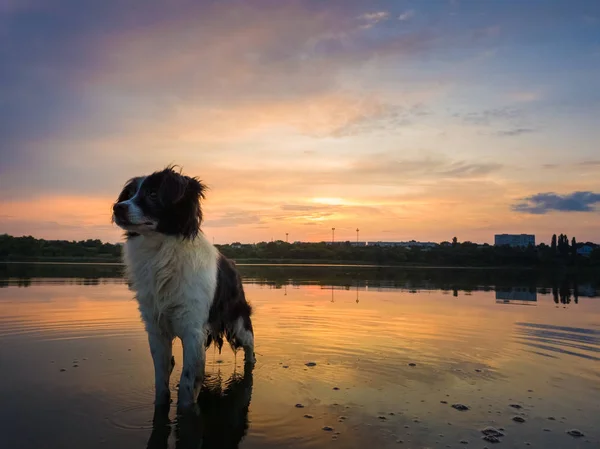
[460, 407]
[492, 431]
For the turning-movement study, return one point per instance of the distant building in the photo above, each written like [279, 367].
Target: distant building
[585, 250]
[344, 242]
[385, 243]
[514, 240]
[410, 244]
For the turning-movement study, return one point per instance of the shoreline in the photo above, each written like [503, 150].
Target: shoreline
[291, 263]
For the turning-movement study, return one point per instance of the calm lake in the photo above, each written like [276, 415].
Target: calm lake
[393, 351]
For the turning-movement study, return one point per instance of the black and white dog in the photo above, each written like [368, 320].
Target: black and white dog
[185, 288]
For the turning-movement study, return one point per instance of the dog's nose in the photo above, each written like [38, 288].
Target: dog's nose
[120, 208]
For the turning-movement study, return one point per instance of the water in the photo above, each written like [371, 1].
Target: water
[485, 339]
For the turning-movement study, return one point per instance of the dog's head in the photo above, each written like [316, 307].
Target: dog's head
[165, 202]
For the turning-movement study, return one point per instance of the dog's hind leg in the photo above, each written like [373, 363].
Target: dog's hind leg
[243, 335]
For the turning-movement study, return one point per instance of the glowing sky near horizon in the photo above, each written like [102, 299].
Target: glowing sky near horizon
[407, 119]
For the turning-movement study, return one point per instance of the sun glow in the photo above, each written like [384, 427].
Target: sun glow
[330, 201]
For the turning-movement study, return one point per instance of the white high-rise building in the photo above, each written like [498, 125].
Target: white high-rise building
[514, 240]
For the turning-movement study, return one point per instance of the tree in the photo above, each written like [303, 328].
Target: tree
[454, 241]
[553, 245]
[563, 245]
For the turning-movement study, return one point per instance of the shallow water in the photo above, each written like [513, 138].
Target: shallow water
[485, 345]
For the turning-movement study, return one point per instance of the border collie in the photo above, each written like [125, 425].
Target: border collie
[185, 288]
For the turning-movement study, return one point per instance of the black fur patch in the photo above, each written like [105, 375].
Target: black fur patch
[169, 198]
[228, 306]
[129, 189]
[174, 200]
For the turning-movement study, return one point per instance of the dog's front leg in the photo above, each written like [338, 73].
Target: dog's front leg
[161, 348]
[193, 367]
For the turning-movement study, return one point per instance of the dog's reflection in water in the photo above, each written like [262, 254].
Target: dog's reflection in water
[220, 420]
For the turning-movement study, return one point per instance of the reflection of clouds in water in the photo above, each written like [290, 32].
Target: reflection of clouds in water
[221, 420]
[573, 341]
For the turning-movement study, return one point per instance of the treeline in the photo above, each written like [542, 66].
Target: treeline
[561, 252]
[446, 254]
[32, 249]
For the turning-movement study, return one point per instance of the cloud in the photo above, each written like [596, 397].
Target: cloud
[380, 117]
[510, 120]
[373, 18]
[82, 75]
[543, 203]
[406, 15]
[300, 207]
[516, 132]
[50, 229]
[384, 169]
[232, 219]
[589, 163]
[525, 96]
[490, 116]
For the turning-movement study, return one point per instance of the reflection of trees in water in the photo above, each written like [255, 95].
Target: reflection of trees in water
[221, 420]
[451, 280]
[522, 295]
[411, 279]
[22, 274]
[562, 291]
[356, 288]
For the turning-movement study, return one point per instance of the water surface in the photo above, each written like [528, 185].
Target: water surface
[394, 350]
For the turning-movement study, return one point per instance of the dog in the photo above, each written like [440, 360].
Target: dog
[184, 286]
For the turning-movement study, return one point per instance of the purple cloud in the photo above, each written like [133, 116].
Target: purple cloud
[543, 203]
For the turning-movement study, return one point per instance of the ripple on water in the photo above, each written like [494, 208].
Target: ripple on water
[135, 417]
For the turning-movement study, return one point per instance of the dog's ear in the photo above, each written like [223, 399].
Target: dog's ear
[188, 208]
[172, 189]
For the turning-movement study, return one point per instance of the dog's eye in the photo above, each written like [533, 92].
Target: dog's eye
[152, 194]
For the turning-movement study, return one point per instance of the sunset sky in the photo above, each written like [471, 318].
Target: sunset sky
[409, 120]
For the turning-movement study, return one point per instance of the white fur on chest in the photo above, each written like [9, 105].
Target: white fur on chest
[174, 280]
